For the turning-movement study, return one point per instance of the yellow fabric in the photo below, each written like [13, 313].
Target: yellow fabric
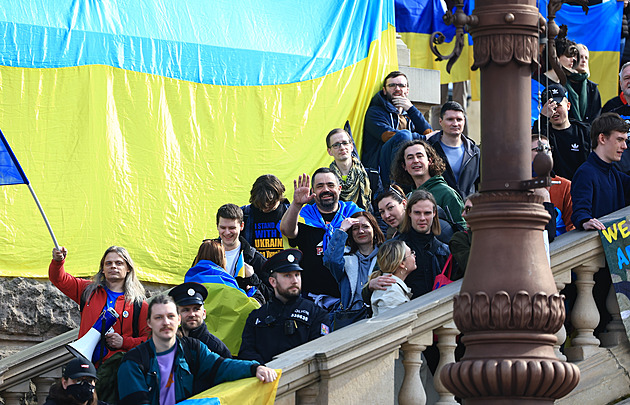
[142, 161]
[248, 391]
[226, 312]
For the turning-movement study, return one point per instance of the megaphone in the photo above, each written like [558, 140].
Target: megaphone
[85, 347]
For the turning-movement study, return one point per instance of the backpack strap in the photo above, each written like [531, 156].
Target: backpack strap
[140, 355]
[137, 307]
[191, 345]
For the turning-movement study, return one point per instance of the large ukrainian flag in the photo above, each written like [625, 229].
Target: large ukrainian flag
[600, 31]
[137, 119]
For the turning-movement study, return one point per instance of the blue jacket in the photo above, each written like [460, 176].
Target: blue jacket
[350, 270]
[597, 189]
[138, 385]
[382, 117]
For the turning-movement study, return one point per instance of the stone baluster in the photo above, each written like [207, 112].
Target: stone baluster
[447, 344]
[412, 390]
[15, 394]
[615, 331]
[43, 383]
[561, 334]
[584, 315]
[307, 395]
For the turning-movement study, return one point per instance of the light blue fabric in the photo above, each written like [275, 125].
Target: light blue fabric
[312, 217]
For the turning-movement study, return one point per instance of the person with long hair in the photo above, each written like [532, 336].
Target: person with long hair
[419, 230]
[115, 286]
[418, 165]
[351, 265]
[391, 207]
[398, 260]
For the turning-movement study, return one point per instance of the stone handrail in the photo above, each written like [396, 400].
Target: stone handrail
[357, 364]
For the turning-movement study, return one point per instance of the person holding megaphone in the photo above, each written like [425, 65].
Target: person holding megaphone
[114, 295]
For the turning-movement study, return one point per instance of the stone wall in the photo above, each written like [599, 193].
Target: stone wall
[34, 310]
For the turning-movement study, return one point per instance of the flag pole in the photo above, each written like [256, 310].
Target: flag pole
[52, 234]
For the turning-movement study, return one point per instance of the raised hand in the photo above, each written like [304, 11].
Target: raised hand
[302, 190]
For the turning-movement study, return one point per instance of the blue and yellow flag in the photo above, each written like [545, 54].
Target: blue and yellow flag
[139, 119]
[248, 391]
[10, 169]
[239, 268]
[417, 19]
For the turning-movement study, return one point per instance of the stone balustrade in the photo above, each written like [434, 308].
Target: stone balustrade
[357, 364]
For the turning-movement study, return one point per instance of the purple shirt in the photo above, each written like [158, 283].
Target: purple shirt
[167, 383]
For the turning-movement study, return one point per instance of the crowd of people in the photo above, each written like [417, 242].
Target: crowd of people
[361, 244]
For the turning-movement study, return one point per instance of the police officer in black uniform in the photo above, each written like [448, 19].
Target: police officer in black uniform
[189, 298]
[287, 320]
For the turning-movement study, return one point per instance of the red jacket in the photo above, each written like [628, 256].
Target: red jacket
[73, 287]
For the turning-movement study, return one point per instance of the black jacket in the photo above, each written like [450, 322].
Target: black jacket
[469, 175]
[58, 396]
[431, 255]
[214, 343]
[275, 328]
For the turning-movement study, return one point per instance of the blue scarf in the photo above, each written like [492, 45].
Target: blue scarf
[312, 217]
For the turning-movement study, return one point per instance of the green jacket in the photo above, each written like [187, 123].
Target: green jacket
[446, 197]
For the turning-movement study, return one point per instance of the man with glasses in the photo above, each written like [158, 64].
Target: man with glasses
[390, 121]
[355, 184]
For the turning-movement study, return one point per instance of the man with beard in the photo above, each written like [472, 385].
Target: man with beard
[189, 298]
[167, 369]
[310, 226]
[569, 139]
[287, 320]
[76, 386]
[391, 120]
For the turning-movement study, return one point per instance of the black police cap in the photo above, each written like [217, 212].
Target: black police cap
[189, 293]
[284, 261]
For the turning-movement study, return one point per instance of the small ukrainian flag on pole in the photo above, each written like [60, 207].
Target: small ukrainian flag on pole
[239, 269]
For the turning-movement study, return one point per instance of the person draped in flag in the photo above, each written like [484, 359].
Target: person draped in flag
[243, 262]
[310, 227]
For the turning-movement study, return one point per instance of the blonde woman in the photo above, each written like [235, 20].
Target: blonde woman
[396, 258]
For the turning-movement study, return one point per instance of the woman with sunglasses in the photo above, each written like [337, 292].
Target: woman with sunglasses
[398, 260]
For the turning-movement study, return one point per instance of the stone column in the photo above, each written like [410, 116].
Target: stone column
[584, 315]
[561, 335]
[508, 308]
[446, 343]
[412, 390]
[615, 331]
[43, 383]
[15, 394]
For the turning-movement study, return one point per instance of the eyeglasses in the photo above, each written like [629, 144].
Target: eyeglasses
[392, 85]
[412, 253]
[545, 148]
[339, 144]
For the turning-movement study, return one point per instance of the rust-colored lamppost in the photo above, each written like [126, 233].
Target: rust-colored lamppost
[508, 308]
